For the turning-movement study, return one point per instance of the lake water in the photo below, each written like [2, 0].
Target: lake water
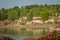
[19, 36]
[16, 37]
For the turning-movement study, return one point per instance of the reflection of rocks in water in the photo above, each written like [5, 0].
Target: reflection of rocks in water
[5, 38]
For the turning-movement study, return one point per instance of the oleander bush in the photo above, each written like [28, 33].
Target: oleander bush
[5, 38]
[54, 35]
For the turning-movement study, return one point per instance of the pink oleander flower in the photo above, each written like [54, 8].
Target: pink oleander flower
[41, 38]
[24, 39]
[33, 38]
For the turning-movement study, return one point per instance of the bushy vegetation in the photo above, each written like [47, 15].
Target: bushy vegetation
[43, 11]
[5, 38]
[54, 35]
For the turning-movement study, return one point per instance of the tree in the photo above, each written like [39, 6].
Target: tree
[3, 14]
[0, 15]
[44, 16]
[12, 14]
[30, 16]
[17, 9]
[44, 11]
[36, 12]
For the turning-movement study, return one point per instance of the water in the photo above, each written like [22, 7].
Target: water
[16, 37]
[19, 36]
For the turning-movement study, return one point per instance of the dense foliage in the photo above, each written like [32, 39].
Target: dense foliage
[43, 11]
